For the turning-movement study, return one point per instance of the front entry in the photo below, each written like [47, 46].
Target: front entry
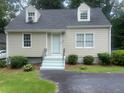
[56, 43]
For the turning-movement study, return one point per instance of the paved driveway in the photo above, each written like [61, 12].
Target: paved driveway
[71, 82]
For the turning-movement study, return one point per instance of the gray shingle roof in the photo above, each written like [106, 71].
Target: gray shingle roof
[58, 19]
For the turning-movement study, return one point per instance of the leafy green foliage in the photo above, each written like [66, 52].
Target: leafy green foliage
[91, 3]
[88, 60]
[47, 4]
[104, 58]
[118, 32]
[28, 67]
[118, 57]
[2, 63]
[18, 61]
[7, 12]
[107, 8]
[72, 59]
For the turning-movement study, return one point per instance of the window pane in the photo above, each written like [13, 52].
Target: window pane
[83, 14]
[89, 40]
[31, 14]
[27, 40]
[80, 44]
[80, 40]
[80, 37]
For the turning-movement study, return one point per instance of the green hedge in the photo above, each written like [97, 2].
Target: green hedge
[2, 63]
[118, 57]
[72, 59]
[104, 58]
[18, 61]
[88, 60]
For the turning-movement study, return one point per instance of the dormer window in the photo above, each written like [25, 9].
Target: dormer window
[84, 15]
[31, 16]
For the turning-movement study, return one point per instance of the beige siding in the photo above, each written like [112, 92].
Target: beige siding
[15, 45]
[101, 42]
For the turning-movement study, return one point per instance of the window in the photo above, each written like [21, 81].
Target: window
[84, 40]
[89, 40]
[80, 40]
[31, 17]
[27, 40]
[31, 14]
[83, 14]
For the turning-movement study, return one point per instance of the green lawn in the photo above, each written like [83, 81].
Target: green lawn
[24, 82]
[96, 69]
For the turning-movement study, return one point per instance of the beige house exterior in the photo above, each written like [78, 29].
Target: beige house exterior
[84, 31]
[41, 40]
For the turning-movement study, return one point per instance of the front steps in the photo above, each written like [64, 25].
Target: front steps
[53, 63]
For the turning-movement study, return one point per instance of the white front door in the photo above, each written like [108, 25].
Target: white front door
[56, 44]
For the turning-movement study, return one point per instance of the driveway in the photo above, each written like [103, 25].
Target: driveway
[72, 82]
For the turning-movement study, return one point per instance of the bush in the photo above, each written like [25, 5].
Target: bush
[18, 61]
[83, 68]
[118, 57]
[72, 59]
[2, 63]
[28, 67]
[104, 58]
[88, 60]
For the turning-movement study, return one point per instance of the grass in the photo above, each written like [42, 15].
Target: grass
[24, 82]
[95, 69]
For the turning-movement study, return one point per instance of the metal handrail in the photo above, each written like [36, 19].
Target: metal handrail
[63, 53]
[44, 53]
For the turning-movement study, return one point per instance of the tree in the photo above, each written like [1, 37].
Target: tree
[19, 4]
[118, 32]
[107, 8]
[7, 12]
[91, 3]
[47, 4]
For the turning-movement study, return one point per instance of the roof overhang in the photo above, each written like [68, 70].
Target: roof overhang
[89, 26]
[35, 30]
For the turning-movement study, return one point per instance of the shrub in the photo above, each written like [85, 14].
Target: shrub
[118, 57]
[88, 60]
[28, 67]
[104, 58]
[72, 59]
[83, 68]
[18, 61]
[2, 63]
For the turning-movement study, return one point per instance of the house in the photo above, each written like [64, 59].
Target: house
[56, 33]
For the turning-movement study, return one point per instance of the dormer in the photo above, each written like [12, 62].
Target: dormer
[83, 13]
[32, 14]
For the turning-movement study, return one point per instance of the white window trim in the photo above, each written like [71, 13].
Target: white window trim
[23, 40]
[84, 39]
[88, 15]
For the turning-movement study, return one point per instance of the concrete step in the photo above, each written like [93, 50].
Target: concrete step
[53, 63]
[51, 68]
[56, 65]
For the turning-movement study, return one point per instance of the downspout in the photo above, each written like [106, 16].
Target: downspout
[109, 39]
